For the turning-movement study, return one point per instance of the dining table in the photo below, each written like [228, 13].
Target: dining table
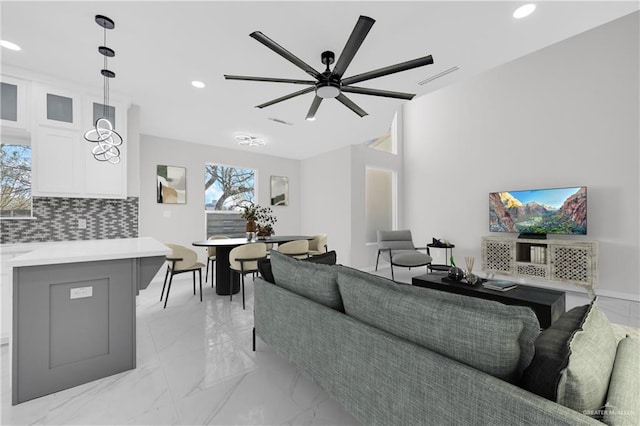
[227, 282]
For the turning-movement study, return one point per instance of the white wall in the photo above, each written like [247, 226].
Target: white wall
[566, 115]
[185, 223]
[326, 200]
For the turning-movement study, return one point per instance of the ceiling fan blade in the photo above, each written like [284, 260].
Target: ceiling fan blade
[391, 69]
[311, 115]
[356, 38]
[289, 96]
[268, 79]
[286, 54]
[377, 92]
[351, 105]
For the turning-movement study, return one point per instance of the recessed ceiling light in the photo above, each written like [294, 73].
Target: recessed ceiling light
[9, 45]
[198, 84]
[524, 11]
[246, 140]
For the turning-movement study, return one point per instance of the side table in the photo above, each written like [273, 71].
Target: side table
[448, 252]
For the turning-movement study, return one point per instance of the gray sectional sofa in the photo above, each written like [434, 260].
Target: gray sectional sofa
[400, 355]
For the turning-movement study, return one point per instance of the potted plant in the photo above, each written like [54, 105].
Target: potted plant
[249, 213]
[259, 219]
[265, 220]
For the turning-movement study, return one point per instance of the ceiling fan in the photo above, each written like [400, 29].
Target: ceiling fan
[330, 83]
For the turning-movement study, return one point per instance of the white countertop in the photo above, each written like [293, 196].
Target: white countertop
[91, 250]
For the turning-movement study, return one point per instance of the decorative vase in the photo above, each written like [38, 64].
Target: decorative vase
[455, 273]
[251, 226]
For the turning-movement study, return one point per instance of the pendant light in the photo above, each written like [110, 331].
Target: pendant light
[103, 133]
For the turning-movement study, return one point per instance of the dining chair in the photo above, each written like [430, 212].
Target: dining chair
[298, 249]
[318, 245]
[211, 257]
[243, 260]
[180, 260]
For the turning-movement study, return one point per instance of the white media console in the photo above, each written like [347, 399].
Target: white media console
[565, 261]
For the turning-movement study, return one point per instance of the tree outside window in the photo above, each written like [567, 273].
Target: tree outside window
[15, 180]
[228, 188]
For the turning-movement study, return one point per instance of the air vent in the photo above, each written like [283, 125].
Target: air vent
[277, 120]
[440, 74]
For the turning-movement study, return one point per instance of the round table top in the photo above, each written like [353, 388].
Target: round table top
[234, 242]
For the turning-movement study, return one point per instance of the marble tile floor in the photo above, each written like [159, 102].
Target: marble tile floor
[195, 367]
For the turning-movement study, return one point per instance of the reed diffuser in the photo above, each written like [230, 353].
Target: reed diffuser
[469, 260]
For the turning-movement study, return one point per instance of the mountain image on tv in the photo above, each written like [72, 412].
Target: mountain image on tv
[539, 211]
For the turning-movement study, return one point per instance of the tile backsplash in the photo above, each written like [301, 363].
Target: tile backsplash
[57, 219]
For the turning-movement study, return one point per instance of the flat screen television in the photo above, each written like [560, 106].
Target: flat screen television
[538, 212]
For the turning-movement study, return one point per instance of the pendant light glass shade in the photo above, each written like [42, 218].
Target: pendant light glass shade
[107, 140]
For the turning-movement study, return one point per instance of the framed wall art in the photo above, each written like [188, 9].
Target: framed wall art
[279, 191]
[171, 185]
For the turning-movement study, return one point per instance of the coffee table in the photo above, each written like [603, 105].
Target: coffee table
[547, 304]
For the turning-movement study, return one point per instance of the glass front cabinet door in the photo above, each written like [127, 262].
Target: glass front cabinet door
[58, 108]
[13, 107]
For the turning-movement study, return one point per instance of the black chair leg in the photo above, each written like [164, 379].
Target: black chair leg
[194, 282]
[200, 276]
[168, 290]
[392, 278]
[242, 291]
[164, 284]
[206, 274]
[254, 339]
[213, 263]
[377, 259]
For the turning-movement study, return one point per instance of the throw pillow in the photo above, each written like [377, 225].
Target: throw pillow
[317, 282]
[552, 354]
[264, 265]
[623, 404]
[497, 339]
[592, 349]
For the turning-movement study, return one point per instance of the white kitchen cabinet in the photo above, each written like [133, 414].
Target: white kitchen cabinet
[63, 165]
[564, 261]
[57, 162]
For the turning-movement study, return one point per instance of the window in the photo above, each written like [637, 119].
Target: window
[227, 188]
[15, 180]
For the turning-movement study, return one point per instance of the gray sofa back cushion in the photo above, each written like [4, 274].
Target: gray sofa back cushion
[318, 282]
[492, 337]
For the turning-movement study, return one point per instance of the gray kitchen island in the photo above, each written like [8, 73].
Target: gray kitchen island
[74, 311]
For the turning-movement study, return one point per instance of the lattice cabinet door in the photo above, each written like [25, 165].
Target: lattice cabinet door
[498, 256]
[574, 263]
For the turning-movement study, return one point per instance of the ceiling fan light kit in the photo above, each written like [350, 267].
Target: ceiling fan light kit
[330, 83]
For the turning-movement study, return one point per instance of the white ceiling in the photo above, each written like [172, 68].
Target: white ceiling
[162, 46]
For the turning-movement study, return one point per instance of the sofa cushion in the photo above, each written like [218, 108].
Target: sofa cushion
[584, 382]
[623, 403]
[552, 354]
[264, 265]
[317, 282]
[492, 337]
